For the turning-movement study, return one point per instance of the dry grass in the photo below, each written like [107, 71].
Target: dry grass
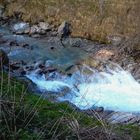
[27, 116]
[92, 19]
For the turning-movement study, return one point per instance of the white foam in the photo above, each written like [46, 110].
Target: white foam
[21, 25]
[54, 86]
[113, 90]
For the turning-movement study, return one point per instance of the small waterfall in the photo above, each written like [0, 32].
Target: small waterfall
[113, 88]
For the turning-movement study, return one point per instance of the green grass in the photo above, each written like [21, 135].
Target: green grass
[27, 116]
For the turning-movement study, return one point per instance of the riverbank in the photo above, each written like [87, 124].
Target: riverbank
[96, 20]
[26, 51]
[28, 116]
[43, 57]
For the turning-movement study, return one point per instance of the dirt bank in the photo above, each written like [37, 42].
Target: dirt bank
[92, 19]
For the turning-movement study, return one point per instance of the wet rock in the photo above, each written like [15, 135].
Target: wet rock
[115, 39]
[49, 63]
[25, 45]
[20, 72]
[27, 31]
[1, 11]
[124, 118]
[39, 64]
[15, 65]
[99, 109]
[19, 28]
[54, 33]
[4, 60]
[77, 43]
[34, 29]
[29, 68]
[13, 43]
[71, 69]
[91, 62]
[104, 55]
[50, 69]
[44, 26]
[64, 29]
[39, 71]
[35, 35]
[2, 41]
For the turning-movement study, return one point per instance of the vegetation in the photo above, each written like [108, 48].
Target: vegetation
[92, 19]
[27, 116]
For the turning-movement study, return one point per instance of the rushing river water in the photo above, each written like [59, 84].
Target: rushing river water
[113, 89]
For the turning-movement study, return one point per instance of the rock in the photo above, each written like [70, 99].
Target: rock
[123, 118]
[35, 35]
[2, 41]
[20, 72]
[76, 44]
[13, 43]
[20, 28]
[99, 109]
[51, 69]
[25, 45]
[64, 29]
[91, 62]
[39, 72]
[34, 29]
[115, 39]
[71, 69]
[27, 31]
[49, 63]
[38, 64]
[1, 11]
[44, 26]
[104, 55]
[15, 65]
[4, 60]
[42, 32]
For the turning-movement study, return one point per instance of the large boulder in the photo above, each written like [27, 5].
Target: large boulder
[4, 60]
[64, 29]
[40, 29]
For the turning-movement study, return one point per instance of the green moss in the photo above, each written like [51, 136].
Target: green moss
[132, 130]
[32, 116]
[32, 113]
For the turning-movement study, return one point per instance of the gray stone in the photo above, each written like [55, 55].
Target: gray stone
[44, 26]
[35, 29]
[64, 29]
[115, 39]
[1, 10]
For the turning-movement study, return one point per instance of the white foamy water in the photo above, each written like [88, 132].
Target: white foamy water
[21, 25]
[113, 90]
